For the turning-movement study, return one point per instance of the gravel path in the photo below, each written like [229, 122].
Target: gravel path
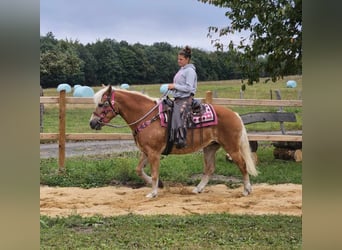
[50, 150]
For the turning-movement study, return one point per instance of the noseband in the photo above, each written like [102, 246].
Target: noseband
[108, 106]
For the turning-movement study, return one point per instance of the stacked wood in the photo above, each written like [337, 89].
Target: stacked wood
[288, 151]
[288, 144]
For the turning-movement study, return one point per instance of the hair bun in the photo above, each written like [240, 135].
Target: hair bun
[186, 51]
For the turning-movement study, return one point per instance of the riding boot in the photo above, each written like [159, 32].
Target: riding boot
[181, 138]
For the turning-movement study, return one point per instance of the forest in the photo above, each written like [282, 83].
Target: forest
[112, 62]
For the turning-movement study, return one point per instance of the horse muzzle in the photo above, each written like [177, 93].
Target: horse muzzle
[95, 124]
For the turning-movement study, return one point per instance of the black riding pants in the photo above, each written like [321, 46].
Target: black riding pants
[181, 109]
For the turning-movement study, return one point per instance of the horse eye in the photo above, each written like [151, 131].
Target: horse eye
[100, 105]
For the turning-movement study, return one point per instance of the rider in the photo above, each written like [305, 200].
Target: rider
[184, 88]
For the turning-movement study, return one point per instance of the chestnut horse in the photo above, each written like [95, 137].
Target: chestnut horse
[142, 116]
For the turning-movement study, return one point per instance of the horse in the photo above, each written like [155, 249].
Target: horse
[141, 114]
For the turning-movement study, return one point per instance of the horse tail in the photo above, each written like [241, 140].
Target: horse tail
[246, 151]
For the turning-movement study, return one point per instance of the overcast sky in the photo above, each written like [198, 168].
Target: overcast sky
[178, 22]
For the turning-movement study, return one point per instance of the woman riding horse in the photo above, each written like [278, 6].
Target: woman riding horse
[183, 89]
[141, 114]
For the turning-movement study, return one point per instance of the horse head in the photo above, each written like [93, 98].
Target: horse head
[104, 108]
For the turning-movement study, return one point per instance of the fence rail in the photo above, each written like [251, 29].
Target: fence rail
[62, 136]
[126, 136]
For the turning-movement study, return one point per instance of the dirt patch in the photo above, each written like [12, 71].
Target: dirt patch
[111, 201]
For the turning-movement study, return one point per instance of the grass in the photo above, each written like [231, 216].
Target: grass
[96, 171]
[213, 231]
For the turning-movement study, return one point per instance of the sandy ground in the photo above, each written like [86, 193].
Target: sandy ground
[111, 201]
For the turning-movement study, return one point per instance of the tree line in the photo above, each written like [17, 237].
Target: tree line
[112, 62]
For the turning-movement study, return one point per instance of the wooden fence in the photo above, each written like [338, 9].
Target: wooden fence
[62, 135]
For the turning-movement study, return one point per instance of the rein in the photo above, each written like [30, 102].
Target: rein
[135, 122]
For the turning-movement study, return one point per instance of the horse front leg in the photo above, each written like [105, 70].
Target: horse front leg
[154, 160]
[209, 166]
[140, 169]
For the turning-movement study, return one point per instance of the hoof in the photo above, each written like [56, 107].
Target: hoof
[151, 195]
[196, 190]
[247, 190]
[245, 193]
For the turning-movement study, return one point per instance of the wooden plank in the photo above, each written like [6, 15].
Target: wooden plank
[71, 100]
[263, 137]
[99, 136]
[268, 117]
[48, 136]
[88, 136]
[126, 136]
[49, 99]
[216, 101]
[80, 100]
[257, 102]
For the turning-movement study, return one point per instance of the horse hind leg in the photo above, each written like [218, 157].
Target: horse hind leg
[209, 166]
[239, 161]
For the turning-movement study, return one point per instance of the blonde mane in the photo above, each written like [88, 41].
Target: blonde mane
[98, 95]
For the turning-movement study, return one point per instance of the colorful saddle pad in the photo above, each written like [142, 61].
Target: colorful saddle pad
[206, 118]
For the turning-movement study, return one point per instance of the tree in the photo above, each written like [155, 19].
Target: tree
[48, 42]
[60, 63]
[90, 65]
[112, 62]
[109, 68]
[274, 43]
[163, 58]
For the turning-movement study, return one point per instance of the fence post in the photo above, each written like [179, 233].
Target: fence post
[242, 94]
[208, 97]
[277, 91]
[61, 135]
[41, 110]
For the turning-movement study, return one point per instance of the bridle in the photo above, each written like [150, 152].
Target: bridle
[108, 106]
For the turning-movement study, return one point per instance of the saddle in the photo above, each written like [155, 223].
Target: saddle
[201, 115]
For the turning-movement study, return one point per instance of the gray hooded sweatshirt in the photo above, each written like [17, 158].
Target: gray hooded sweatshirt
[185, 81]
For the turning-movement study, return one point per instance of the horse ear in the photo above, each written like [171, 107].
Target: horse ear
[109, 90]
